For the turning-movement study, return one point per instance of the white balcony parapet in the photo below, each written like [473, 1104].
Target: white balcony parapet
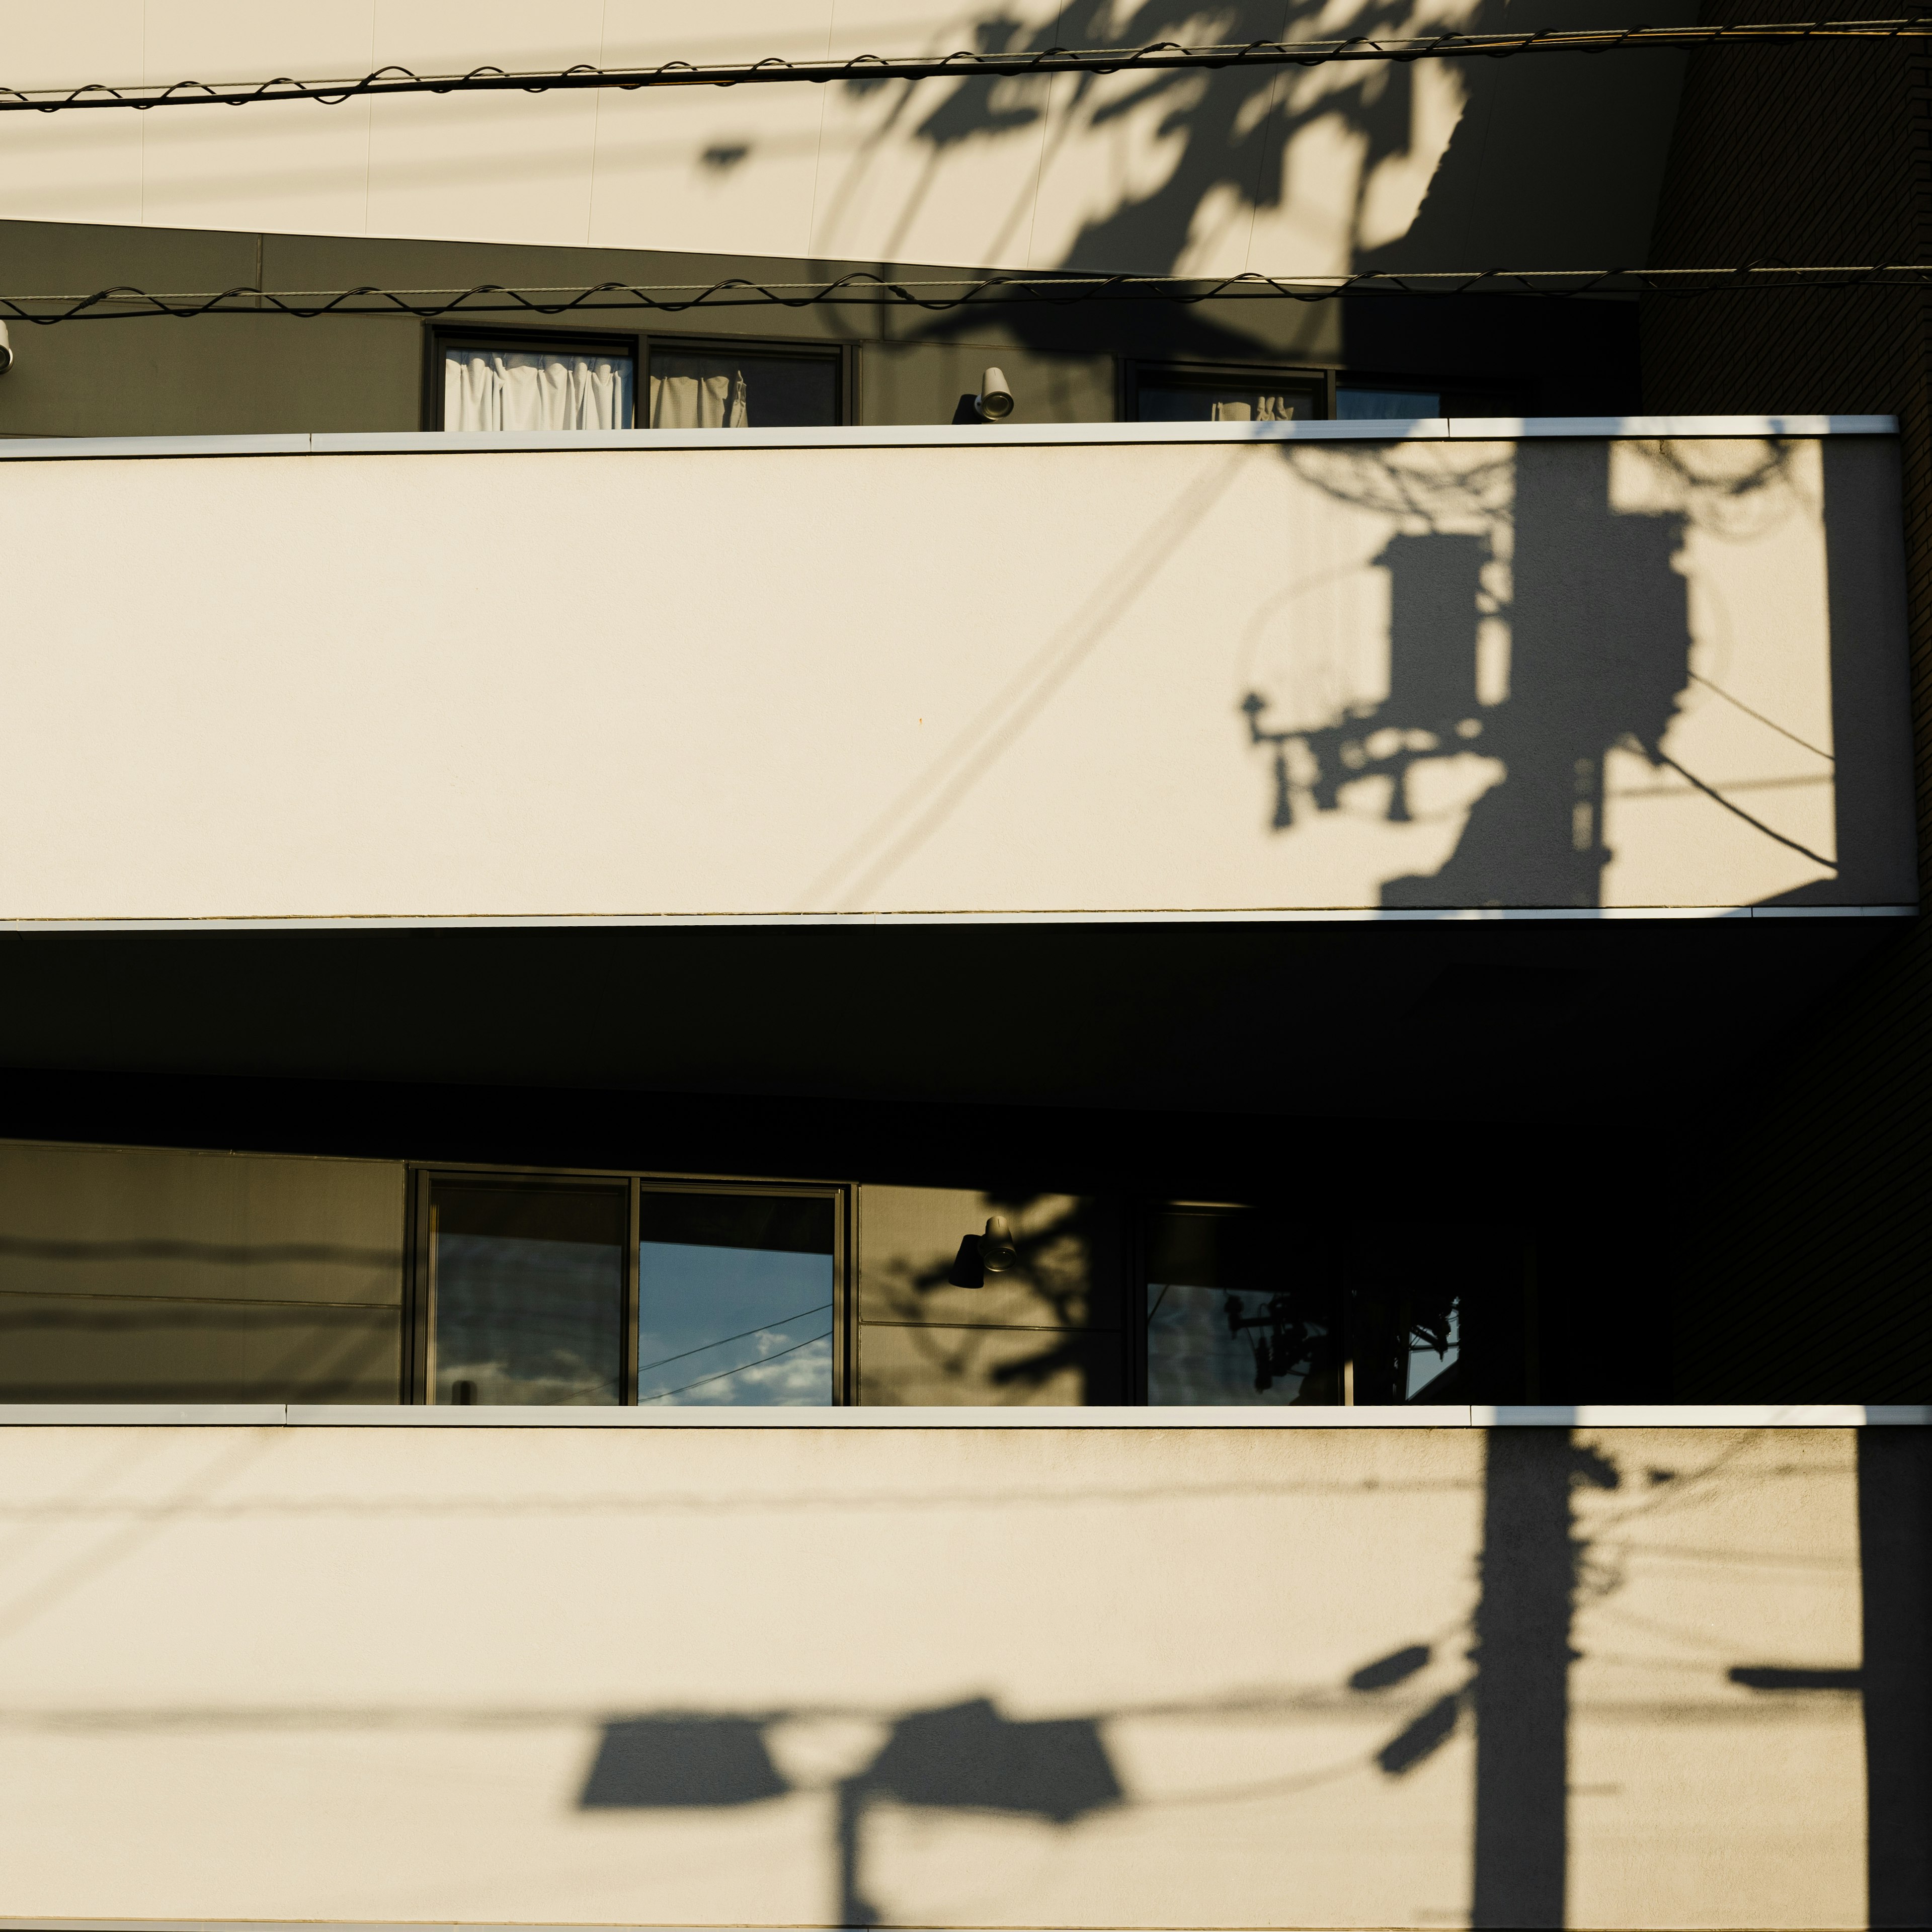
[1640, 667]
[923, 435]
[1459, 1415]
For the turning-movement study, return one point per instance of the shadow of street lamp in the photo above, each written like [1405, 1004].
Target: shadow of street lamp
[965, 1757]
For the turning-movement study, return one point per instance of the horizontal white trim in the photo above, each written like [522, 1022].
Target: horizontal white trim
[296, 1415]
[450, 442]
[1152, 916]
[43, 1923]
[1511, 429]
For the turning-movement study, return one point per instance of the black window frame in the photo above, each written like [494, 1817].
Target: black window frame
[418, 1387]
[639, 345]
[842, 355]
[1312, 1250]
[437, 338]
[1183, 373]
[1458, 395]
[1498, 1319]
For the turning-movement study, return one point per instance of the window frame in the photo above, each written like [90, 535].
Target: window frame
[436, 339]
[842, 355]
[1187, 374]
[418, 1370]
[1499, 1320]
[1458, 395]
[1347, 379]
[638, 345]
[1146, 1209]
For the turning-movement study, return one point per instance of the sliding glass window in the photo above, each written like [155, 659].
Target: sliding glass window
[526, 1292]
[1245, 1307]
[620, 1289]
[718, 386]
[532, 383]
[1159, 393]
[736, 1295]
[1238, 1312]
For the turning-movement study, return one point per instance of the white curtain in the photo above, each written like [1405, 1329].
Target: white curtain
[534, 389]
[699, 402]
[1263, 409]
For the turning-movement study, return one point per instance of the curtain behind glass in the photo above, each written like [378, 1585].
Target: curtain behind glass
[1255, 408]
[534, 389]
[715, 401]
[1203, 402]
[735, 391]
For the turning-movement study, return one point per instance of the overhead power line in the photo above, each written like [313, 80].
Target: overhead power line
[966, 65]
[865, 289]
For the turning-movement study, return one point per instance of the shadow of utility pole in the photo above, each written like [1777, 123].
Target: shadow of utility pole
[1521, 1689]
[1895, 1567]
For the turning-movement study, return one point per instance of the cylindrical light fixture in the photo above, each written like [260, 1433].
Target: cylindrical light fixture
[6, 350]
[998, 1252]
[995, 400]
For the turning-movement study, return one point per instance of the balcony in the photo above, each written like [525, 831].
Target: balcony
[1009, 1678]
[1140, 676]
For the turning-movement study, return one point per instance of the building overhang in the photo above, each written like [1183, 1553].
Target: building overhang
[1255, 767]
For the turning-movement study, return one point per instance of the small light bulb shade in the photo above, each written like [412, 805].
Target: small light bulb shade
[995, 400]
[997, 1252]
[6, 350]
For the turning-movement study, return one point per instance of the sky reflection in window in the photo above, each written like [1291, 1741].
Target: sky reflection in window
[735, 1300]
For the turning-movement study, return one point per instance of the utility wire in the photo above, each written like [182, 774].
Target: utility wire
[863, 289]
[818, 1308]
[1163, 54]
[725, 1374]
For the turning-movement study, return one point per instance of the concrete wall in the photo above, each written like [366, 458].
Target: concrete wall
[933, 1328]
[976, 676]
[970, 1678]
[1312, 171]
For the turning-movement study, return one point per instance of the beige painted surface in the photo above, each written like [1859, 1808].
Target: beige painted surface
[364, 1675]
[201, 1276]
[935, 1328]
[1313, 170]
[979, 677]
[1715, 1551]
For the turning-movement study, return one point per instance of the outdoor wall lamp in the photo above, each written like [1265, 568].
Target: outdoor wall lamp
[997, 1252]
[995, 400]
[7, 353]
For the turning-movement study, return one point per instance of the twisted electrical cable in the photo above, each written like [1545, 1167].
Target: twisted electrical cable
[965, 63]
[864, 288]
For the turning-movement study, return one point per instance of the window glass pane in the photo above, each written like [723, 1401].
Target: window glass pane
[1237, 1314]
[488, 388]
[743, 391]
[1188, 400]
[1386, 405]
[1407, 1301]
[527, 1292]
[1427, 1376]
[734, 1300]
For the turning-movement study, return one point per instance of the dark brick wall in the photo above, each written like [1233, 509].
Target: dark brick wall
[1807, 1258]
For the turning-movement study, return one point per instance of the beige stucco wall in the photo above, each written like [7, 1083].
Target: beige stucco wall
[364, 1674]
[1307, 170]
[979, 676]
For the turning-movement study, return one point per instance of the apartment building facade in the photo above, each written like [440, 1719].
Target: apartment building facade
[723, 1004]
